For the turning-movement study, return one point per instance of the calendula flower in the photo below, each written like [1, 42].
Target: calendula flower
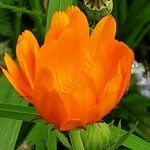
[74, 78]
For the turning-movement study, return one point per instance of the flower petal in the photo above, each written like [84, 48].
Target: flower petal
[92, 115]
[61, 58]
[71, 105]
[70, 124]
[104, 31]
[50, 107]
[110, 95]
[127, 58]
[125, 65]
[14, 84]
[106, 61]
[71, 9]
[46, 100]
[59, 21]
[117, 84]
[15, 72]
[78, 20]
[73, 19]
[16, 77]
[81, 99]
[26, 50]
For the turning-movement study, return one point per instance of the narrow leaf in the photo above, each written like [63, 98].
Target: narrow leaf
[51, 139]
[63, 139]
[9, 128]
[18, 112]
[76, 140]
[132, 142]
[39, 136]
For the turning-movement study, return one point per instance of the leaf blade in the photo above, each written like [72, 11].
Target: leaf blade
[132, 142]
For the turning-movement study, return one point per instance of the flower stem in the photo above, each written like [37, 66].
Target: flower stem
[16, 26]
[22, 10]
[38, 21]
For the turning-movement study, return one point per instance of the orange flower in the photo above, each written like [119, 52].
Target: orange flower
[73, 79]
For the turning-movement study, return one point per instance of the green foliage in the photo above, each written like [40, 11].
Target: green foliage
[9, 128]
[18, 112]
[5, 25]
[42, 137]
[133, 108]
[76, 141]
[38, 20]
[133, 20]
[96, 136]
[62, 138]
[128, 140]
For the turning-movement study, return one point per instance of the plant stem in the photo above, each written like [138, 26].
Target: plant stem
[16, 26]
[22, 10]
[38, 21]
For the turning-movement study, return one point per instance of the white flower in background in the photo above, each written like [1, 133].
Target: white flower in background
[143, 81]
[138, 69]
[146, 93]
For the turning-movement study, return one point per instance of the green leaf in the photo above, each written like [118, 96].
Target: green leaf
[63, 139]
[36, 135]
[135, 25]
[76, 140]
[51, 139]
[5, 24]
[55, 5]
[75, 2]
[132, 142]
[9, 128]
[42, 137]
[127, 111]
[132, 20]
[140, 112]
[135, 8]
[123, 138]
[18, 112]
[142, 34]
[120, 12]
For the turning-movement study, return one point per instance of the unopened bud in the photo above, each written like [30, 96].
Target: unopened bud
[96, 136]
[96, 9]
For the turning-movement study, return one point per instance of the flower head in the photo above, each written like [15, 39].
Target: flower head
[74, 78]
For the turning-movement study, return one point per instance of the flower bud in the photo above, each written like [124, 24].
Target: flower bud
[96, 9]
[96, 136]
